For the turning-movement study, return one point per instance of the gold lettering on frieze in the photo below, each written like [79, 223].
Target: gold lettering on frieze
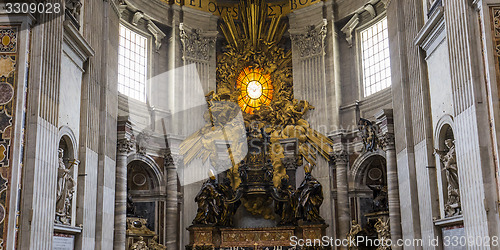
[495, 28]
[218, 9]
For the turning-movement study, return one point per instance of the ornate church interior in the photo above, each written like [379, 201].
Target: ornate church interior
[249, 125]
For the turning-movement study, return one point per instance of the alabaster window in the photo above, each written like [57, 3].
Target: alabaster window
[376, 71]
[132, 64]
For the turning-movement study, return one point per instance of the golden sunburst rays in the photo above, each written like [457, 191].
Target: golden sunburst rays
[256, 89]
[253, 27]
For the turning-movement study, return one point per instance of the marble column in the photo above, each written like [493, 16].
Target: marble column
[386, 124]
[171, 206]
[124, 146]
[343, 212]
[393, 189]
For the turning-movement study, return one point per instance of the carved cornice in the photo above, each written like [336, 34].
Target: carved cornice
[312, 41]
[157, 34]
[197, 44]
[349, 28]
[137, 17]
[371, 9]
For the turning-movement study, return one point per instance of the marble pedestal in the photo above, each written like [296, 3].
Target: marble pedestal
[252, 238]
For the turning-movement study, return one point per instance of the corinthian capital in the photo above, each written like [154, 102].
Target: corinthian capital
[311, 40]
[196, 43]
[387, 141]
[340, 156]
[124, 146]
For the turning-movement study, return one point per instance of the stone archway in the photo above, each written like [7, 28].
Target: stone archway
[146, 192]
[368, 190]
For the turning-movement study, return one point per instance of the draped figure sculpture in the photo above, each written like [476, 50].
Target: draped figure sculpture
[209, 201]
[65, 190]
[228, 209]
[449, 160]
[286, 209]
[309, 198]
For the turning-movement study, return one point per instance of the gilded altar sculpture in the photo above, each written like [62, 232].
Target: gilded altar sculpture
[254, 81]
[384, 233]
[353, 233]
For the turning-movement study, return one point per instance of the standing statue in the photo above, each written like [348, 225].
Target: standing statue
[369, 134]
[209, 201]
[130, 205]
[380, 198]
[449, 160]
[286, 209]
[309, 198]
[242, 171]
[268, 172]
[228, 209]
[65, 190]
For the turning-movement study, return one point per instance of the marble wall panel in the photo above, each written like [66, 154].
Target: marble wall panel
[8, 85]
